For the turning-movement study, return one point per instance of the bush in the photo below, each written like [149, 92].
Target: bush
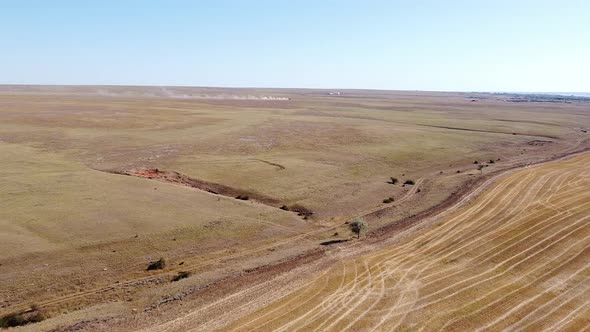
[157, 265]
[410, 182]
[243, 197]
[476, 162]
[181, 275]
[20, 318]
[36, 317]
[330, 242]
[393, 180]
[301, 211]
[12, 319]
[388, 200]
[491, 161]
[284, 207]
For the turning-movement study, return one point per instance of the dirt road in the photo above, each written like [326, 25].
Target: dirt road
[516, 258]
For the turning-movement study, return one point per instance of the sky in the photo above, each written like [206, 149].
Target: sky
[478, 45]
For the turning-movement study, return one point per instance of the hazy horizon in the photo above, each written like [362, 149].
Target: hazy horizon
[565, 93]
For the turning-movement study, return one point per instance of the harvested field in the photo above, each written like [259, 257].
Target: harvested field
[515, 258]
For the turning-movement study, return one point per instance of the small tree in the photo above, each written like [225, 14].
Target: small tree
[357, 226]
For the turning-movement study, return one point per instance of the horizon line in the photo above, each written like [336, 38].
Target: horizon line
[286, 88]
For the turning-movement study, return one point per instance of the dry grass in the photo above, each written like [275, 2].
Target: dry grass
[73, 235]
[516, 258]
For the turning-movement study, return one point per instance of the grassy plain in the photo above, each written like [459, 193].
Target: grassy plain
[74, 235]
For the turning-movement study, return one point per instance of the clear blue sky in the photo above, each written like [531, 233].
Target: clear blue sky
[413, 45]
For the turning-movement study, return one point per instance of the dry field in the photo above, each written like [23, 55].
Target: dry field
[77, 232]
[516, 258]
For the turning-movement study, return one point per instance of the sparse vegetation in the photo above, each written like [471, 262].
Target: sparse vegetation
[393, 180]
[60, 134]
[157, 265]
[477, 224]
[480, 168]
[181, 275]
[15, 319]
[357, 226]
[330, 242]
[301, 211]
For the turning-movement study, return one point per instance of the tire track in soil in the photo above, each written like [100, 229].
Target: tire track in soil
[524, 256]
[458, 200]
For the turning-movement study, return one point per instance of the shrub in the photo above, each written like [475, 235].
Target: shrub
[388, 200]
[301, 210]
[284, 207]
[36, 317]
[393, 180]
[157, 265]
[12, 319]
[491, 161]
[410, 182]
[476, 162]
[181, 275]
[330, 242]
[243, 197]
[20, 318]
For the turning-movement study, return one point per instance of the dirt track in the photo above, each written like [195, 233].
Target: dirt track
[515, 258]
[287, 284]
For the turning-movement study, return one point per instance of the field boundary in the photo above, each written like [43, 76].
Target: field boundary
[453, 201]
